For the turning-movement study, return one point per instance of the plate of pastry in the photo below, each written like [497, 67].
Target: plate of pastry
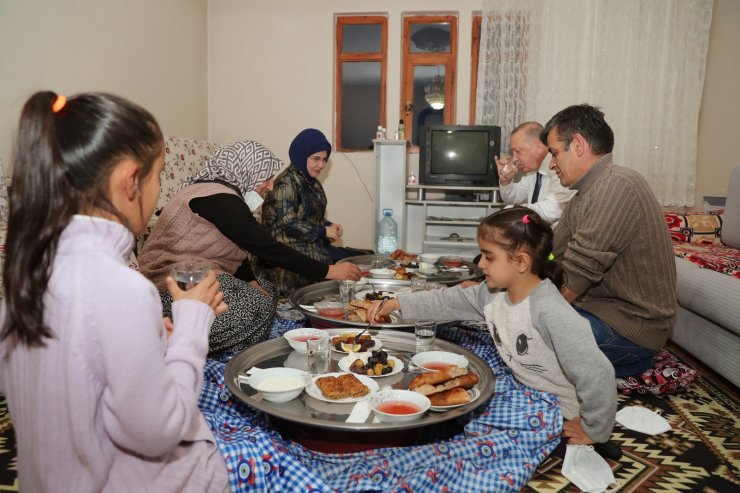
[448, 388]
[342, 388]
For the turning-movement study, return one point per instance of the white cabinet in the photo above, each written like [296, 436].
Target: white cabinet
[444, 219]
[390, 183]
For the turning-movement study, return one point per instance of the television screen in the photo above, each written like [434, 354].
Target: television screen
[459, 155]
[462, 152]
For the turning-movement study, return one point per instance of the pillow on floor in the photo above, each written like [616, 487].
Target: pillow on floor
[667, 376]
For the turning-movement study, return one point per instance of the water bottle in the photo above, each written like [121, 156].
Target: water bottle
[387, 233]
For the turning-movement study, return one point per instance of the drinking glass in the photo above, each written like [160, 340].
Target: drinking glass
[318, 354]
[426, 332]
[377, 263]
[346, 289]
[189, 274]
[418, 284]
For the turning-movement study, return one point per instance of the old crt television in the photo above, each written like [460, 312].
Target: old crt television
[459, 155]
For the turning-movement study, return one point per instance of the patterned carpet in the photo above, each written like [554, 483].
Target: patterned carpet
[700, 454]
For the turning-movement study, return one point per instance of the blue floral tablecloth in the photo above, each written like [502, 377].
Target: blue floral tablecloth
[502, 444]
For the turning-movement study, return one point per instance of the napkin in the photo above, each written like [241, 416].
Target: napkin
[360, 412]
[310, 308]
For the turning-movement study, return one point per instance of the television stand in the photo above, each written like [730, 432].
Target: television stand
[444, 219]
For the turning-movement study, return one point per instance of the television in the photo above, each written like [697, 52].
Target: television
[459, 155]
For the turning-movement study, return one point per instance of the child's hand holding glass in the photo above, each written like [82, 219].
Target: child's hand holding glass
[208, 290]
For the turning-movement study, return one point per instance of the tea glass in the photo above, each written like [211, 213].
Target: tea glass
[188, 274]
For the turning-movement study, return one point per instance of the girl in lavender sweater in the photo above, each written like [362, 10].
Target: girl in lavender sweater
[102, 392]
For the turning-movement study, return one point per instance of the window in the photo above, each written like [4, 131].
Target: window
[428, 76]
[474, 53]
[360, 84]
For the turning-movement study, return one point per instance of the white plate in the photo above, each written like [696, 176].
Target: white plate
[346, 362]
[439, 356]
[314, 391]
[378, 343]
[474, 394]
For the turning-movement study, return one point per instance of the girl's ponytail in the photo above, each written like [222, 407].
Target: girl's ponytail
[40, 206]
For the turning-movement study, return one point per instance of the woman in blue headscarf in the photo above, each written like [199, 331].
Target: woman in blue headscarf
[295, 211]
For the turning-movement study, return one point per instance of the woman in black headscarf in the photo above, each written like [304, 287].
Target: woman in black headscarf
[295, 211]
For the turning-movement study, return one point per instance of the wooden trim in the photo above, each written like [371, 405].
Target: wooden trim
[342, 57]
[410, 60]
[474, 56]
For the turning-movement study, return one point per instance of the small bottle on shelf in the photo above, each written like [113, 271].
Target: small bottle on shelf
[379, 133]
[411, 179]
[401, 130]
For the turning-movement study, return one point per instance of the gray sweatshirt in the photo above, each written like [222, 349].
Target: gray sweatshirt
[542, 339]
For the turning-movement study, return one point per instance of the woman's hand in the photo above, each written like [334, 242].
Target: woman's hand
[334, 232]
[208, 291]
[344, 270]
[255, 284]
[376, 311]
[573, 431]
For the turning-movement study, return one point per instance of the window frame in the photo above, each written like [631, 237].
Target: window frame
[341, 57]
[411, 60]
[476, 28]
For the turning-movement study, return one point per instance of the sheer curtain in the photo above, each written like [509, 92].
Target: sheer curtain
[641, 61]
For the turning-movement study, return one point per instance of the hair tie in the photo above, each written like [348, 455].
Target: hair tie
[551, 257]
[59, 103]
[525, 219]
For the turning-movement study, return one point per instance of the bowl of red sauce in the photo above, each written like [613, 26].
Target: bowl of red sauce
[331, 309]
[398, 406]
[452, 261]
[439, 360]
[297, 337]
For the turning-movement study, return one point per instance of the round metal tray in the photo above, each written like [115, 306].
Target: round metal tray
[309, 411]
[443, 276]
[329, 291]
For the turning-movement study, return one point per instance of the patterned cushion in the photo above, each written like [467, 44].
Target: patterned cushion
[695, 227]
[717, 257]
[668, 376]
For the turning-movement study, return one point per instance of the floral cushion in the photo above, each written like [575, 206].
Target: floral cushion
[717, 257]
[695, 227]
[667, 376]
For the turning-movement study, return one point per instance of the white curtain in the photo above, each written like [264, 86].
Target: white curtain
[641, 61]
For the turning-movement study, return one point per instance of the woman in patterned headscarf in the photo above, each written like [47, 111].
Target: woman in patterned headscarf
[211, 220]
[295, 211]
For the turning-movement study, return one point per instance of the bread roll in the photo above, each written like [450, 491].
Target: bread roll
[361, 304]
[437, 377]
[451, 397]
[466, 382]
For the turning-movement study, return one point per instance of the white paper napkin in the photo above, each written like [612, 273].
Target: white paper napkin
[360, 413]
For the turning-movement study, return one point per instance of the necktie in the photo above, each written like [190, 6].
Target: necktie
[537, 185]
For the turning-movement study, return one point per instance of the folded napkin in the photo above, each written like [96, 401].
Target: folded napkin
[360, 413]
[310, 308]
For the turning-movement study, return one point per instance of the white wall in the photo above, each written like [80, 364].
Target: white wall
[719, 118]
[152, 52]
[271, 74]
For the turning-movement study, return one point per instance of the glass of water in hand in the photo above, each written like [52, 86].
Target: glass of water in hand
[189, 274]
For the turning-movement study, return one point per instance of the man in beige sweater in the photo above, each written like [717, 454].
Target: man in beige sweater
[612, 241]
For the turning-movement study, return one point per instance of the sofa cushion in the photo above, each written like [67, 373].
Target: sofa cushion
[731, 228]
[694, 227]
[710, 294]
[716, 257]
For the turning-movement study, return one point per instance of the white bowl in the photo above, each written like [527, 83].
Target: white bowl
[398, 397]
[297, 337]
[429, 258]
[382, 273]
[279, 384]
[439, 358]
